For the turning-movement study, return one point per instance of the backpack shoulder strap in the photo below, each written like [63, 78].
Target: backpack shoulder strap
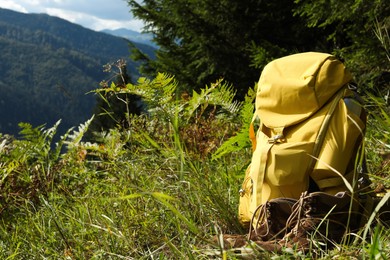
[324, 128]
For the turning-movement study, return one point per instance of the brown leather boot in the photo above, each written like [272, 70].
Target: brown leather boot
[322, 218]
[269, 220]
[268, 223]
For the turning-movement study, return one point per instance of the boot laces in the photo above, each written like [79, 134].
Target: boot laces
[262, 220]
[300, 213]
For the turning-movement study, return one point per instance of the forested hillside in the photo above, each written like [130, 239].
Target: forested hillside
[48, 66]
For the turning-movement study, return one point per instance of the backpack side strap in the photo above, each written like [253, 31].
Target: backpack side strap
[252, 133]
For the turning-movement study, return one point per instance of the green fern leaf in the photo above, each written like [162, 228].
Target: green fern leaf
[74, 139]
[241, 139]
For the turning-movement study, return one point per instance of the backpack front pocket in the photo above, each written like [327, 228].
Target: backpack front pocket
[288, 163]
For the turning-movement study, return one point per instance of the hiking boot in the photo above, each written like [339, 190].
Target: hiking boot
[268, 223]
[321, 216]
[269, 220]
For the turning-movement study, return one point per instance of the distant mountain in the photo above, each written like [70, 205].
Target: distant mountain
[145, 38]
[47, 67]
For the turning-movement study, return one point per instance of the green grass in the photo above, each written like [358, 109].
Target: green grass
[149, 191]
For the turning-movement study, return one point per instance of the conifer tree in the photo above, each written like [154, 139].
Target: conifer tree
[359, 31]
[204, 40]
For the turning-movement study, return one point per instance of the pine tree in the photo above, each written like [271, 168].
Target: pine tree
[359, 31]
[204, 40]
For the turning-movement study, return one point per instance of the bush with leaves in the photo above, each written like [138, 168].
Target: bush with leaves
[28, 165]
[32, 165]
[201, 120]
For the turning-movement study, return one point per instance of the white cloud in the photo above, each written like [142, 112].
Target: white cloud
[93, 14]
[64, 14]
[8, 4]
[135, 25]
[33, 2]
[94, 22]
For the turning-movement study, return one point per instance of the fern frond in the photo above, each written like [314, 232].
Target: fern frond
[158, 94]
[198, 99]
[241, 139]
[158, 91]
[28, 132]
[48, 134]
[218, 94]
[75, 138]
[58, 148]
[224, 96]
[39, 135]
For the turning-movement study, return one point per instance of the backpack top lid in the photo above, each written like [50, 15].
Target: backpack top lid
[294, 87]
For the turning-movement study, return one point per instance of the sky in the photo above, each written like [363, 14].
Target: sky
[93, 14]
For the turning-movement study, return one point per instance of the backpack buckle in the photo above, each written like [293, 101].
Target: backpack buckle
[277, 139]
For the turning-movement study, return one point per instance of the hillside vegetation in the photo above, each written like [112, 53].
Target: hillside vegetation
[48, 66]
[152, 190]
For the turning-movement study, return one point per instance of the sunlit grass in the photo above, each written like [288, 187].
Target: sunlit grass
[145, 193]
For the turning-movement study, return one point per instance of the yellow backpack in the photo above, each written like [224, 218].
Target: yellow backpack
[309, 129]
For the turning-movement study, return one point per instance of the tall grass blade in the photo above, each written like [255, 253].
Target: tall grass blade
[163, 199]
[382, 202]
[376, 246]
